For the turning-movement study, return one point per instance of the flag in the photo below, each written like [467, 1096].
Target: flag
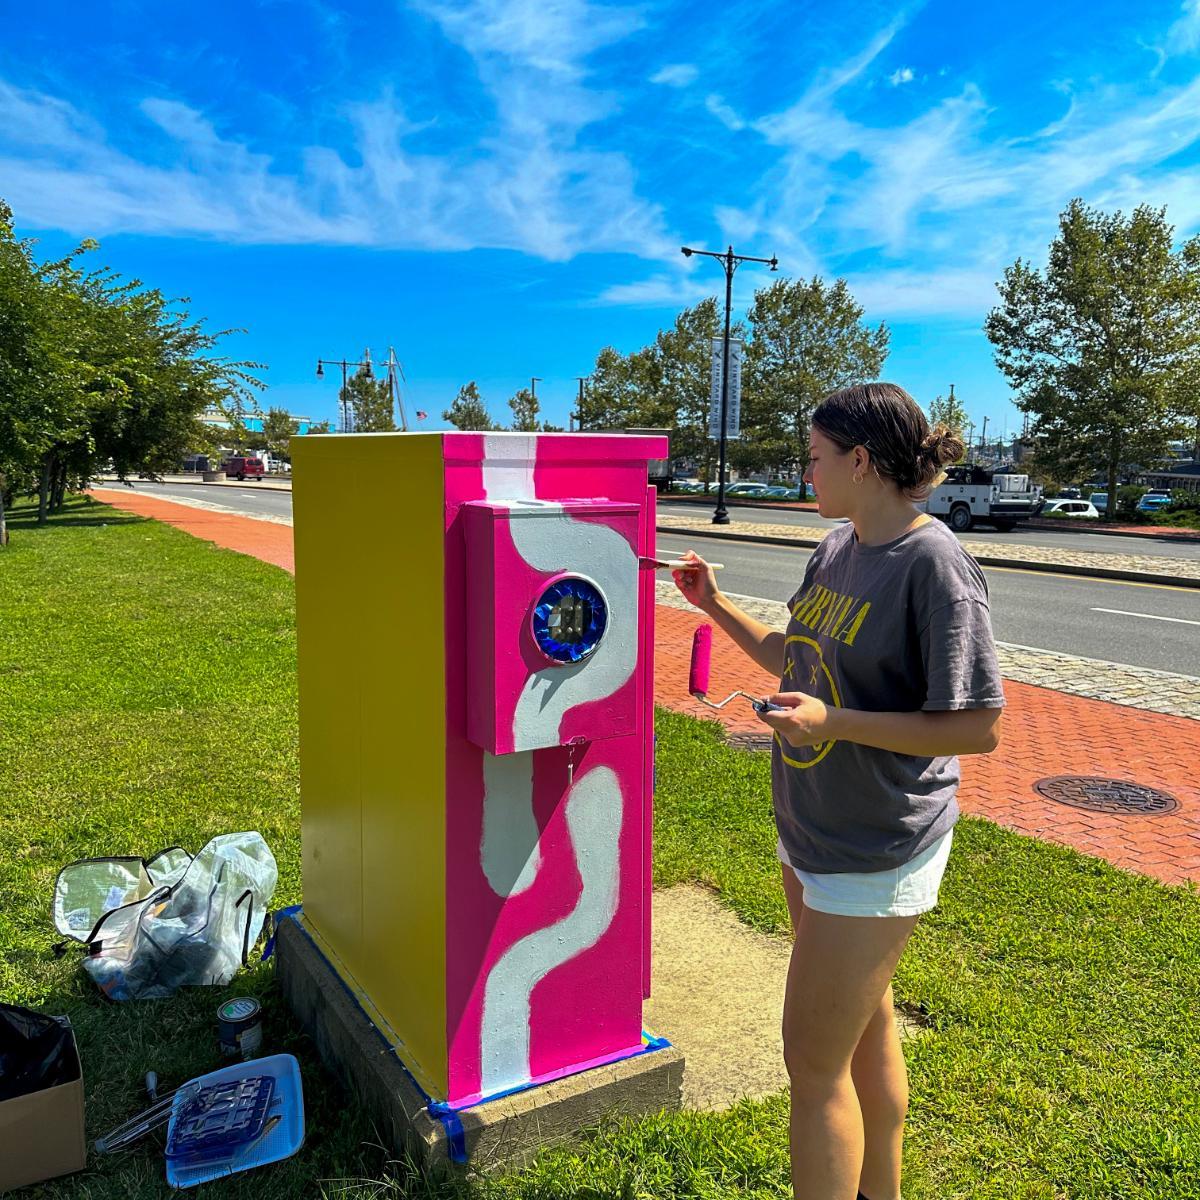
[421, 415]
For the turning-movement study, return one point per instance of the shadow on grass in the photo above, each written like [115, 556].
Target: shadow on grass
[78, 510]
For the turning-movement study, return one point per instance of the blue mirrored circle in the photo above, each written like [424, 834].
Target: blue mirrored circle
[569, 620]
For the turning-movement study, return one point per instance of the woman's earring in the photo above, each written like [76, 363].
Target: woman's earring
[857, 478]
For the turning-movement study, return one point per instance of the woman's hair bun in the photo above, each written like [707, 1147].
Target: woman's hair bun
[886, 420]
[941, 446]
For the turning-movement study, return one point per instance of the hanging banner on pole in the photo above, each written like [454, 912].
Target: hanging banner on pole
[733, 421]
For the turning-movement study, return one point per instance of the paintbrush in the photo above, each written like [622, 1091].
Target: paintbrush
[675, 564]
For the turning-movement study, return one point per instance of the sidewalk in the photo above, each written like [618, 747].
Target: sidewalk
[1046, 733]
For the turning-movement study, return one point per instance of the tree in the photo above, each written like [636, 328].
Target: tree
[278, 430]
[662, 386]
[1102, 348]
[807, 339]
[949, 411]
[468, 410]
[370, 402]
[525, 409]
[320, 427]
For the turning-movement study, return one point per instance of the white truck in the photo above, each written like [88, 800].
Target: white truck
[972, 495]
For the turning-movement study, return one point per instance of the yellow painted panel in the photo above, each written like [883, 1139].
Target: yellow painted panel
[368, 512]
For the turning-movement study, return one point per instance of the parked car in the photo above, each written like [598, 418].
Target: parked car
[1154, 501]
[240, 467]
[745, 488]
[1071, 508]
[1099, 501]
[1069, 493]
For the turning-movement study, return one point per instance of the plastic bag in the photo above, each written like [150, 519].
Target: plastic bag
[36, 1052]
[153, 926]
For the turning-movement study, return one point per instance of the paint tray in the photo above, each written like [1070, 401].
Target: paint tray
[231, 1120]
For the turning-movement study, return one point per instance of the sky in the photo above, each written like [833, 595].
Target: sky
[499, 188]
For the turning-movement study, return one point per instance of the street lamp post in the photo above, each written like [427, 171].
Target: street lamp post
[322, 363]
[730, 262]
[577, 415]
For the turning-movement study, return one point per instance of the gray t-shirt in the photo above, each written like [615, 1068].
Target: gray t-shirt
[901, 627]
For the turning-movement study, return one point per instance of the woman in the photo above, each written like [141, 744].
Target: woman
[888, 673]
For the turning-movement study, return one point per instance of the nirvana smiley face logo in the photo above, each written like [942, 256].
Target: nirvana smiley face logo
[805, 662]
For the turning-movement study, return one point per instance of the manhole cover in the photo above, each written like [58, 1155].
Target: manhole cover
[749, 741]
[1106, 795]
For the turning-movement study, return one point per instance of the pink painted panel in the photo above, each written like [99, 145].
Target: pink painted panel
[586, 1009]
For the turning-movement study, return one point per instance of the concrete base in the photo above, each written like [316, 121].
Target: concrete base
[505, 1132]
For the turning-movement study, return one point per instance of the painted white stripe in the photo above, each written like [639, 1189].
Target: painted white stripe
[508, 460]
[1120, 612]
[509, 852]
[594, 815]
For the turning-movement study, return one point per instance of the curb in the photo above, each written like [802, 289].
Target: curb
[105, 480]
[984, 560]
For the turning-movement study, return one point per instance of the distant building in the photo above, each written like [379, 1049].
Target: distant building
[1183, 475]
[253, 420]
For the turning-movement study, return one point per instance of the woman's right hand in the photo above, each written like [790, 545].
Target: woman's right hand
[699, 585]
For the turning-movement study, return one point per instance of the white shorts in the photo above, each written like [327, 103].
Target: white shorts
[903, 891]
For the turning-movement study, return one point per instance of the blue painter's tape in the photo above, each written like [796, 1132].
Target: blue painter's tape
[455, 1137]
[283, 914]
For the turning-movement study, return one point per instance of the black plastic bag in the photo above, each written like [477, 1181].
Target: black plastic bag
[36, 1052]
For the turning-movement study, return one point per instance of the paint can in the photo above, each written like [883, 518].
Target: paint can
[239, 1025]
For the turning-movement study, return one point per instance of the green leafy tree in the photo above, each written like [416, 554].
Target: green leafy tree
[468, 411]
[1102, 347]
[949, 411]
[370, 402]
[807, 339]
[320, 427]
[278, 430]
[662, 386]
[525, 408]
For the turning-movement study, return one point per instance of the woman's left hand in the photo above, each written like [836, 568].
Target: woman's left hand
[804, 721]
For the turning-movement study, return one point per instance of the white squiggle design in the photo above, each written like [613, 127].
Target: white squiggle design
[594, 815]
[555, 543]
[509, 851]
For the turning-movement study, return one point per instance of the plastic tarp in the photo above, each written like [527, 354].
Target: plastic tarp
[152, 926]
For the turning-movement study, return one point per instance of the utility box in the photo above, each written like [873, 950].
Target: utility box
[475, 641]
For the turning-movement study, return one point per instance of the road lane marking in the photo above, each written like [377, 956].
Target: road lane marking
[1120, 612]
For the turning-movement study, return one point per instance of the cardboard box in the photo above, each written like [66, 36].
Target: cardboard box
[41, 1134]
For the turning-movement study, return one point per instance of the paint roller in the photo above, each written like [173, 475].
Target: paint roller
[698, 675]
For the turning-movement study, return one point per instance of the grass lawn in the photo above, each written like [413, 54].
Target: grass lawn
[147, 698]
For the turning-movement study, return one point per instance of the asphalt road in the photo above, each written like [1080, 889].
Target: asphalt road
[1137, 624]
[1050, 612]
[1165, 547]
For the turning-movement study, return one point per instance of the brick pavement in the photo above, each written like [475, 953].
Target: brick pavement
[1046, 732]
[1138, 564]
[1133, 687]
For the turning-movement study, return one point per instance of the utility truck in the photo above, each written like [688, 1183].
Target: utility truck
[973, 495]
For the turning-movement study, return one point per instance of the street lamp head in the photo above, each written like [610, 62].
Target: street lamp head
[774, 263]
[320, 370]
[686, 251]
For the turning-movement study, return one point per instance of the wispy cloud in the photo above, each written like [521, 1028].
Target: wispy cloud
[941, 200]
[677, 75]
[901, 75]
[724, 112]
[1184, 34]
[527, 183]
